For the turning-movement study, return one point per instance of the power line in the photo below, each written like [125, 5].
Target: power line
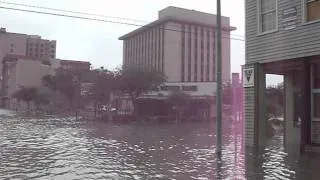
[85, 13]
[100, 20]
[69, 11]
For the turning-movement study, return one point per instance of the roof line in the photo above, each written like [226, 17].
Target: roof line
[168, 19]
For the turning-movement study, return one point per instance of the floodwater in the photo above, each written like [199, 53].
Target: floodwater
[52, 148]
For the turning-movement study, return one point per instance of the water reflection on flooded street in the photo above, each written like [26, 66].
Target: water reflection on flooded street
[68, 149]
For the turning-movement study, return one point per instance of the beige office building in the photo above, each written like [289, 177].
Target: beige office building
[182, 44]
[32, 46]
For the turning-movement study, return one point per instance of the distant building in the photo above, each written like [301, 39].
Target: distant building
[181, 43]
[31, 46]
[26, 45]
[22, 71]
[75, 65]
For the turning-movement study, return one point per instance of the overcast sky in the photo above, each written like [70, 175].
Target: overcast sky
[98, 42]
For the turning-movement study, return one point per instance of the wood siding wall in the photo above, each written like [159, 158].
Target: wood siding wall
[302, 41]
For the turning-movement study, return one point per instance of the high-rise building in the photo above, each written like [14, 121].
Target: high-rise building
[26, 45]
[181, 43]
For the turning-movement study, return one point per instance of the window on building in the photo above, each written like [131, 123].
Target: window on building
[52, 56]
[268, 15]
[316, 76]
[182, 52]
[195, 54]
[312, 10]
[189, 53]
[11, 50]
[208, 55]
[37, 45]
[12, 45]
[41, 45]
[41, 50]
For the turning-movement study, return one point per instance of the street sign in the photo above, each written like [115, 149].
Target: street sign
[248, 77]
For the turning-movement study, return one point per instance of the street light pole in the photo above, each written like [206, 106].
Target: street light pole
[219, 80]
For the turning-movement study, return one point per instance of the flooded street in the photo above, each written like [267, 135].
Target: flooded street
[51, 148]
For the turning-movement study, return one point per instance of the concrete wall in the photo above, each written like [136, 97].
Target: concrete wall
[16, 42]
[172, 51]
[226, 59]
[302, 41]
[28, 74]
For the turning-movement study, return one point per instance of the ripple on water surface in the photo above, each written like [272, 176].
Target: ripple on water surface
[64, 148]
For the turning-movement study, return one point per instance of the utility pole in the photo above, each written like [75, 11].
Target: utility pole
[219, 80]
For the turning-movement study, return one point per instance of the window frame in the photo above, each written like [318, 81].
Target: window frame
[305, 12]
[260, 14]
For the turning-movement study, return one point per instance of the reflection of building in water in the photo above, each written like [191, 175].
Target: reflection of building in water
[283, 38]
[181, 43]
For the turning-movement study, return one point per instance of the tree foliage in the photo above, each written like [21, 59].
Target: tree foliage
[180, 102]
[31, 94]
[275, 100]
[103, 83]
[41, 99]
[179, 98]
[66, 82]
[26, 94]
[136, 80]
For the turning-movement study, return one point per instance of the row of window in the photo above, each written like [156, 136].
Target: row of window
[268, 13]
[146, 48]
[205, 41]
[37, 55]
[42, 50]
[41, 45]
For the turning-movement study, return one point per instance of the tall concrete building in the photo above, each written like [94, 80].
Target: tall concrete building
[181, 43]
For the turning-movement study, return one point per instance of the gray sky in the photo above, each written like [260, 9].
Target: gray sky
[98, 42]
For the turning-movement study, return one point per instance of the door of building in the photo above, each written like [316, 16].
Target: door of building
[315, 103]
